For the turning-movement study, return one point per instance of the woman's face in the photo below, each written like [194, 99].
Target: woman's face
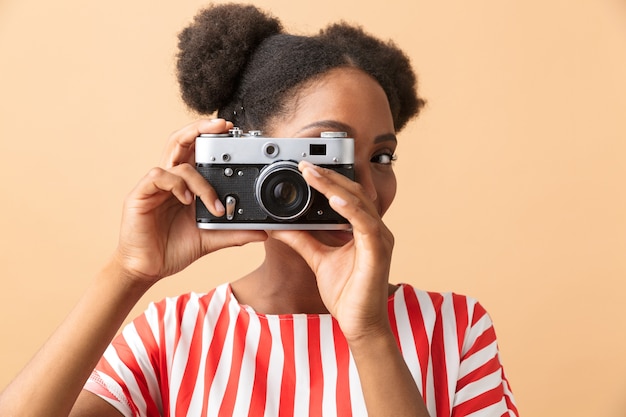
[347, 99]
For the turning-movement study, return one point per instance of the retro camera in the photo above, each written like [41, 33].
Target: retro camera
[258, 181]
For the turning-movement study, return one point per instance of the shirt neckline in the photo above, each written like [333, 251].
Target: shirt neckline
[230, 297]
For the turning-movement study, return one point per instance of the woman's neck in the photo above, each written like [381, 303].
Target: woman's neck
[282, 284]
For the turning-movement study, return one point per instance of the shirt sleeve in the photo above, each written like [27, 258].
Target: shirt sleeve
[482, 388]
[128, 374]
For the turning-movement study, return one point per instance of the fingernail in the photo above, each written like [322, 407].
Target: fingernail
[219, 206]
[188, 197]
[306, 165]
[337, 201]
[216, 120]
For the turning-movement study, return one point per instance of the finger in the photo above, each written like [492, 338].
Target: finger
[183, 182]
[181, 144]
[213, 240]
[349, 199]
[199, 186]
[159, 181]
[328, 181]
[345, 196]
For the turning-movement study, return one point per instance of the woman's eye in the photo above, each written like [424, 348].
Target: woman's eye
[384, 158]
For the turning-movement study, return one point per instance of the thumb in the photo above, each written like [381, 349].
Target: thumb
[213, 240]
[308, 247]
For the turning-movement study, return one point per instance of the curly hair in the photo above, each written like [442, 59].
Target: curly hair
[236, 59]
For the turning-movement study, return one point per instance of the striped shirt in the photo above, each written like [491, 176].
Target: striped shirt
[208, 355]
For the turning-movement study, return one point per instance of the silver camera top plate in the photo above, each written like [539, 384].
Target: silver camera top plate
[330, 149]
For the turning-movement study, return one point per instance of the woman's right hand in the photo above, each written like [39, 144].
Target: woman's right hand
[159, 236]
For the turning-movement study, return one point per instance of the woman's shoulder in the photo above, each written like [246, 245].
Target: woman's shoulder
[190, 304]
[443, 318]
[432, 310]
[443, 302]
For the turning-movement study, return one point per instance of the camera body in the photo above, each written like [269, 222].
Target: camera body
[258, 181]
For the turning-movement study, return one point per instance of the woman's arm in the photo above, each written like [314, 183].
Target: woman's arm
[158, 238]
[53, 379]
[388, 386]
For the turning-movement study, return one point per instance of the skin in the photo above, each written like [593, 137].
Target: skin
[346, 275]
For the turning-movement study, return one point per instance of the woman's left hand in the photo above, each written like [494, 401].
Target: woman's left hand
[353, 278]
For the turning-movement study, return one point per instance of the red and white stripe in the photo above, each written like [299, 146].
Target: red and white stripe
[207, 355]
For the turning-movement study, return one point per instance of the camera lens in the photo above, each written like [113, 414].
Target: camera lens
[285, 194]
[282, 192]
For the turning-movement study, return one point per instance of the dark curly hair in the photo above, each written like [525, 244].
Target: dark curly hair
[236, 60]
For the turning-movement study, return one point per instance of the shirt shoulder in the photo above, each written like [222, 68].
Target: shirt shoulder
[444, 304]
[174, 310]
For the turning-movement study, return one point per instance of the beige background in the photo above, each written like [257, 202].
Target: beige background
[511, 182]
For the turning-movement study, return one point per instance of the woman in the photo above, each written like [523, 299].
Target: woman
[317, 329]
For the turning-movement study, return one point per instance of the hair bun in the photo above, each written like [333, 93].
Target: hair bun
[214, 49]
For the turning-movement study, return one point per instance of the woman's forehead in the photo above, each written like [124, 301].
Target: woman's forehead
[346, 99]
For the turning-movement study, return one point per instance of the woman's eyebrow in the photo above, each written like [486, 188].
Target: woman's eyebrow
[327, 124]
[387, 137]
